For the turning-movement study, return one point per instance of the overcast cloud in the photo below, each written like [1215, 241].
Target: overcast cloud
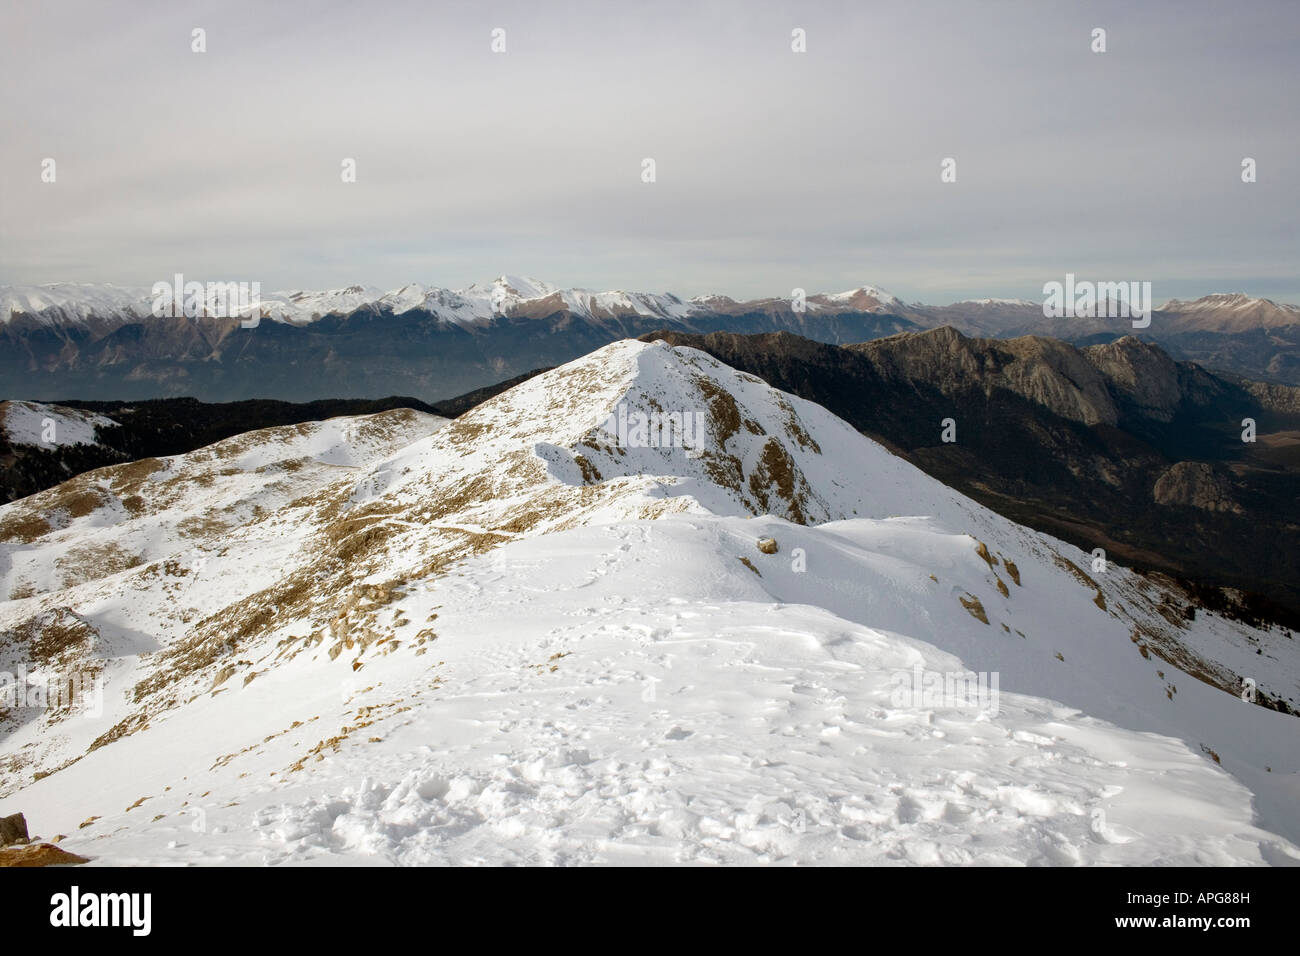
[774, 169]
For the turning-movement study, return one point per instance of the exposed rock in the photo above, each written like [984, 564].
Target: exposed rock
[767, 545]
[39, 854]
[1278, 398]
[1047, 372]
[13, 829]
[1195, 484]
[1141, 373]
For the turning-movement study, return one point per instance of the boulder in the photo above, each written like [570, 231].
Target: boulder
[13, 829]
[39, 854]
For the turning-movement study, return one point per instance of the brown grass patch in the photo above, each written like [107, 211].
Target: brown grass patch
[23, 527]
[1065, 564]
[590, 473]
[724, 414]
[92, 562]
[777, 469]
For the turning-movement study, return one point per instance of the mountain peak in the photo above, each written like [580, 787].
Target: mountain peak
[867, 298]
[1230, 312]
[519, 287]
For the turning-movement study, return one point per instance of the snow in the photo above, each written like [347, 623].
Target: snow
[607, 681]
[1235, 301]
[480, 302]
[308, 306]
[866, 291]
[73, 302]
[1015, 302]
[475, 304]
[29, 423]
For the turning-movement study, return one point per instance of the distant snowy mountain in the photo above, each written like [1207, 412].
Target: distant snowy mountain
[103, 342]
[522, 295]
[73, 302]
[357, 342]
[1231, 313]
[865, 298]
[536, 634]
[506, 295]
[1016, 305]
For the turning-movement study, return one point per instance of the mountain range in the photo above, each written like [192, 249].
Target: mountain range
[88, 342]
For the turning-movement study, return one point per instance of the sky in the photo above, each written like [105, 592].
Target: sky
[773, 169]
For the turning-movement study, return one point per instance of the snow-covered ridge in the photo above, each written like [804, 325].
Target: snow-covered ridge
[1231, 312]
[517, 638]
[1001, 302]
[522, 296]
[73, 301]
[1224, 300]
[49, 426]
[506, 295]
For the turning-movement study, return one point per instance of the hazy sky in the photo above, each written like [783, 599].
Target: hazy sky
[774, 169]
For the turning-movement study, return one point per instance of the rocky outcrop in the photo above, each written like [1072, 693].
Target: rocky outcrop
[1044, 371]
[13, 829]
[1277, 398]
[39, 854]
[1141, 374]
[1195, 484]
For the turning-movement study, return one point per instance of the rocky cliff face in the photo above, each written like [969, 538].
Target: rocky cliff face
[1195, 484]
[1096, 384]
[1044, 371]
[1140, 374]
